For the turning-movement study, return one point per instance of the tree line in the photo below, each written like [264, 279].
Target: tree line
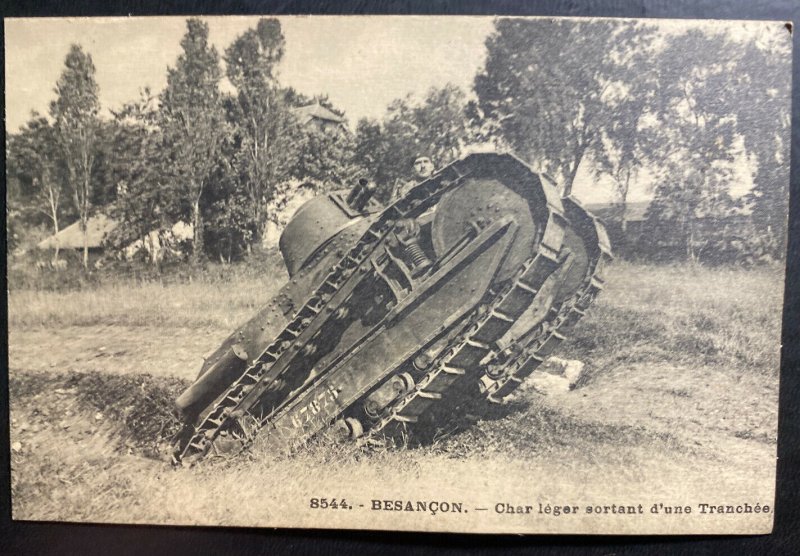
[619, 99]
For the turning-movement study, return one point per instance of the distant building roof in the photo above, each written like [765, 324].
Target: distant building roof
[71, 237]
[316, 111]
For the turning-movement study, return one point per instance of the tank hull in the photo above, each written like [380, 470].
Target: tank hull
[396, 313]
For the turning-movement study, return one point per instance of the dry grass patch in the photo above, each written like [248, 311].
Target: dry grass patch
[683, 314]
[150, 304]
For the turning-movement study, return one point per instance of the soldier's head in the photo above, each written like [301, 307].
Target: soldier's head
[423, 167]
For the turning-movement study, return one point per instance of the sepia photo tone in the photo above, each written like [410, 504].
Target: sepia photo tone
[467, 274]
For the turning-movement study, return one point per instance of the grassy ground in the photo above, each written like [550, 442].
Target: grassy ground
[679, 395]
[219, 305]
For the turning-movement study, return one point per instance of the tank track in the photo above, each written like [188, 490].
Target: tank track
[518, 361]
[462, 360]
[471, 357]
[228, 406]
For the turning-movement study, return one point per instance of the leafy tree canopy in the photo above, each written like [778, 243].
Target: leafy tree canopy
[563, 92]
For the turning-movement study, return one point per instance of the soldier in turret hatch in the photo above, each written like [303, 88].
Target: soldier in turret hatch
[423, 169]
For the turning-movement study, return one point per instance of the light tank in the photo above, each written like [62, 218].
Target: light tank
[457, 290]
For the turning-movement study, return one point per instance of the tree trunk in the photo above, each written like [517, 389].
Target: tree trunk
[87, 173]
[155, 248]
[197, 229]
[85, 230]
[690, 244]
[52, 200]
[55, 235]
[623, 198]
[566, 191]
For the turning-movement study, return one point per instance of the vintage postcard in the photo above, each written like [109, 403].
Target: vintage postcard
[465, 274]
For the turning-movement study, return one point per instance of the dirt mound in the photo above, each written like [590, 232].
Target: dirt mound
[139, 407]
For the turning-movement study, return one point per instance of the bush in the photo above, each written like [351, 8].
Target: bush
[714, 242]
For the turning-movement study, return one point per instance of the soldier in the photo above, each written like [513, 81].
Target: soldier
[423, 169]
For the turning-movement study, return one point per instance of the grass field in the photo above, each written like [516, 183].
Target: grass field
[679, 393]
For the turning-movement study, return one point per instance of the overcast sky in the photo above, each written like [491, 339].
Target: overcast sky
[362, 67]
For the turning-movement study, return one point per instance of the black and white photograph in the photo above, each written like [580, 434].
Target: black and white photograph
[415, 273]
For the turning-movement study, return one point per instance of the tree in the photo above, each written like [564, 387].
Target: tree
[230, 229]
[75, 113]
[763, 95]
[266, 136]
[144, 201]
[192, 122]
[689, 208]
[325, 153]
[628, 144]
[435, 126]
[325, 158]
[696, 128]
[723, 100]
[566, 92]
[372, 150]
[33, 158]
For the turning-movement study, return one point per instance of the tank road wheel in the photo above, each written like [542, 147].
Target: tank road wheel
[389, 391]
[347, 429]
